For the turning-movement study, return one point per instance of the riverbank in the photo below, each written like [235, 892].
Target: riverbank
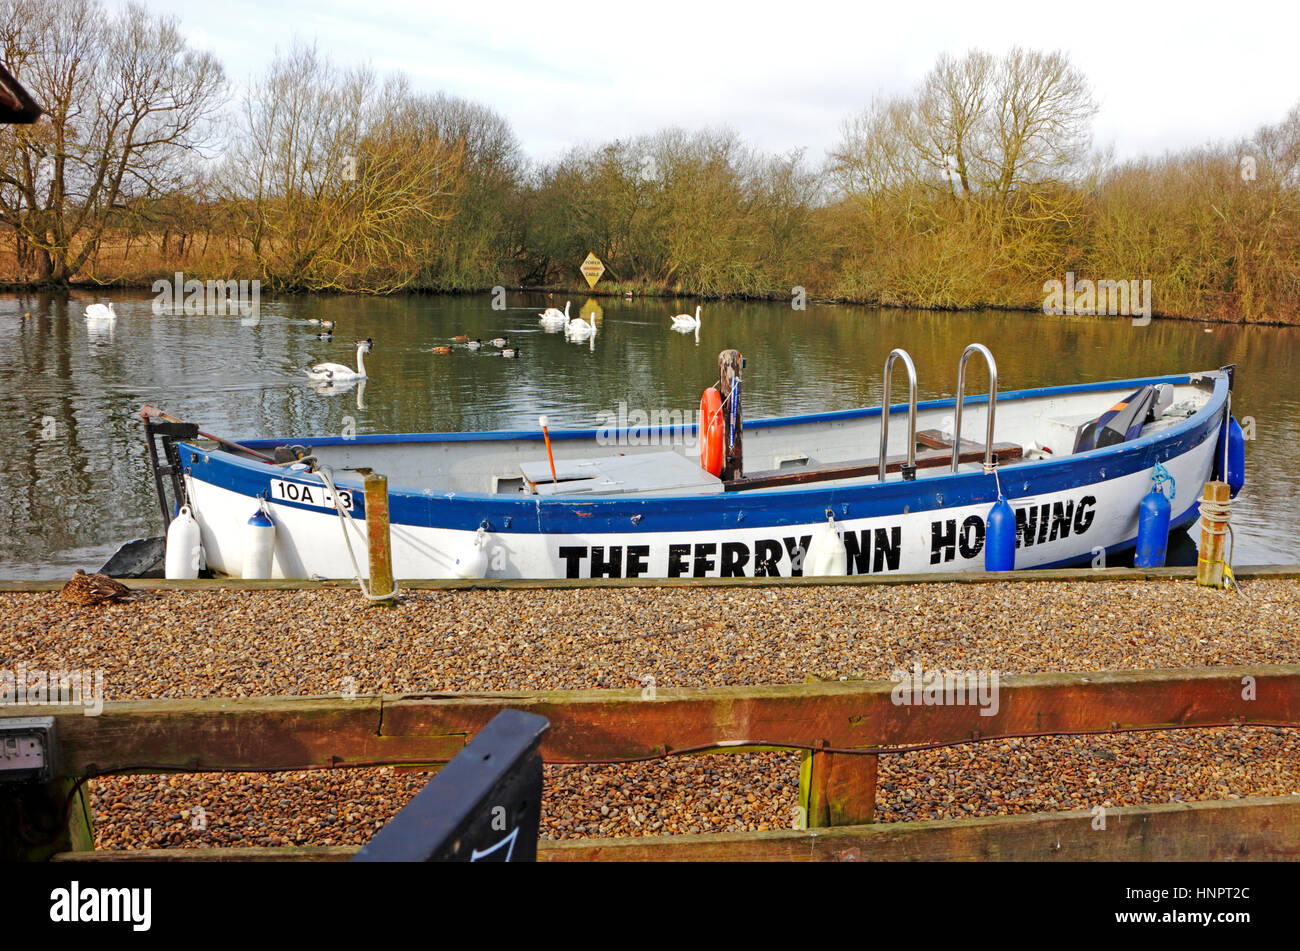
[222, 642]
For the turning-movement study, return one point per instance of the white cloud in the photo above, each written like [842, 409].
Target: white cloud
[784, 76]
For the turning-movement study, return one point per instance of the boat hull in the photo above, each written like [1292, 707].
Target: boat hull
[1073, 510]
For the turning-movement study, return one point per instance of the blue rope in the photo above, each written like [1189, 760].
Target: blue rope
[1161, 475]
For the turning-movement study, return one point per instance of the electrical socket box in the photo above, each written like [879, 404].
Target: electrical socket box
[26, 749]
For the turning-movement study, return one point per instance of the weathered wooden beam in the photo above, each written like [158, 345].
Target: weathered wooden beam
[1257, 829]
[837, 789]
[283, 853]
[1261, 829]
[244, 733]
[615, 725]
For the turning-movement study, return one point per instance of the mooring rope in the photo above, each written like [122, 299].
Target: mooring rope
[327, 476]
[1161, 476]
[1214, 521]
[992, 469]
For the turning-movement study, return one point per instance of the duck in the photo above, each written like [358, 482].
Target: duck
[499, 342]
[510, 351]
[94, 589]
[324, 324]
[333, 372]
[442, 349]
[474, 344]
[686, 321]
[325, 335]
[554, 317]
[101, 312]
[579, 329]
[460, 338]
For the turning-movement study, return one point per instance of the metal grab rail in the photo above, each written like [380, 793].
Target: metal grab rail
[909, 470]
[961, 394]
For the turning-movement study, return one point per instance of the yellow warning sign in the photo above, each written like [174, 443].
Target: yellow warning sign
[592, 269]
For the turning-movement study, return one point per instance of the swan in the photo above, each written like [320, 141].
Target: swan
[579, 329]
[686, 321]
[333, 372]
[101, 312]
[554, 317]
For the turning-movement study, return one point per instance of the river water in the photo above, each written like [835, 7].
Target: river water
[74, 476]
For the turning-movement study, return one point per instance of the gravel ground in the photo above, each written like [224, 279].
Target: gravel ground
[226, 643]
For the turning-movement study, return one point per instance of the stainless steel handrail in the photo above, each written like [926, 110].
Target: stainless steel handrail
[961, 394]
[909, 472]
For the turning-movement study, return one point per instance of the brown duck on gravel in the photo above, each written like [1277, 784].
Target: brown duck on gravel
[97, 589]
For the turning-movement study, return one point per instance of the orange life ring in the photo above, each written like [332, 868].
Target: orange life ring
[711, 431]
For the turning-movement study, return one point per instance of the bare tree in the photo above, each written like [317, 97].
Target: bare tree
[339, 177]
[126, 102]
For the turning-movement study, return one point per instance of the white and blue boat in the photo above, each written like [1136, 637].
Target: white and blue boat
[833, 492]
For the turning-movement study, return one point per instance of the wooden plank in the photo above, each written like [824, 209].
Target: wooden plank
[284, 853]
[769, 478]
[934, 439]
[1257, 829]
[244, 733]
[841, 789]
[616, 725]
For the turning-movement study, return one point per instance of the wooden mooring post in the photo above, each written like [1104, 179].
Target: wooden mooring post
[730, 368]
[1214, 529]
[380, 537]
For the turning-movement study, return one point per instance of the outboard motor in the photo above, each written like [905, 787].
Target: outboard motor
[1122, 422]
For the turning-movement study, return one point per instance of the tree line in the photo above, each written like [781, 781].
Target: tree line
[972, 189]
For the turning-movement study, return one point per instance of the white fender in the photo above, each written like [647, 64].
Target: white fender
[472, 559]
[259, 545]
[826, 555]
[184, 546]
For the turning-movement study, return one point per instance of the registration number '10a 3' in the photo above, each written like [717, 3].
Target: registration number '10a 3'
[304, 494]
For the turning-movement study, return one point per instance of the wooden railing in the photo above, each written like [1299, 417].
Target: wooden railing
[842, 727]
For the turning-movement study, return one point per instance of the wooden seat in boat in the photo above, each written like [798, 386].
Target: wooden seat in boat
[939, 453]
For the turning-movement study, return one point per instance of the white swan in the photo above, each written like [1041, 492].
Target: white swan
[686, 322]
[334, 372]
[555, 318]
[579, 329]
[101, 312]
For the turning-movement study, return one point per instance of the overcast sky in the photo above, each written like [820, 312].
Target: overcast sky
[784, 75]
